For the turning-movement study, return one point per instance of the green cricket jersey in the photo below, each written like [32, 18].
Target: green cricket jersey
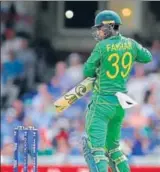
[111, 62]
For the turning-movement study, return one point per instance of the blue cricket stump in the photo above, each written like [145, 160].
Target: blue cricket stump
[25, 151]
[34, 149]
[15, 166]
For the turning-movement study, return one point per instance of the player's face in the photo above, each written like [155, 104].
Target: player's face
[98, 33]
[101, 34]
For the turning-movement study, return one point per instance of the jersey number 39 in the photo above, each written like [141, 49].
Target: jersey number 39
[115, 60]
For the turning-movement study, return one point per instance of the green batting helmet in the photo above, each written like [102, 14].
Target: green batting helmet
[107, 17]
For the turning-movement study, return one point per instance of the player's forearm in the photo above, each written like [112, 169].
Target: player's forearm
[145, 56]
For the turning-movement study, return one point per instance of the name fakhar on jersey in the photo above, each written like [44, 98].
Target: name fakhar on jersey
[119, 46]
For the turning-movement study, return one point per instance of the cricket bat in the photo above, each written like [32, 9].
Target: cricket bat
[74, 94]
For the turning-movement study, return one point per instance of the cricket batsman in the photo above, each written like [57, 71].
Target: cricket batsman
[110, 64]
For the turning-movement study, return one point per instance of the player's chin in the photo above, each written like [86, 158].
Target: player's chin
[98, 38]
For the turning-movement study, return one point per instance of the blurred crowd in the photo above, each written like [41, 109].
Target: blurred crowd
[27, 96]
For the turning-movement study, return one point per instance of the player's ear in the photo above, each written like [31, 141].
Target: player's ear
[116, 27]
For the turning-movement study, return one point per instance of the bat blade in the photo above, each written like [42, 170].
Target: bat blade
[74, 94]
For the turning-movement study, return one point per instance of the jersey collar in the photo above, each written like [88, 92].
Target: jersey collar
[115, 36]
